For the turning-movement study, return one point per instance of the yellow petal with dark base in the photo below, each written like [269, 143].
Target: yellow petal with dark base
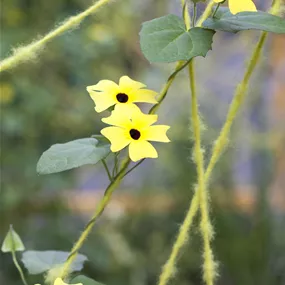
[118, 137]
[141, 149]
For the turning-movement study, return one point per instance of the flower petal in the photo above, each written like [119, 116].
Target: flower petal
[127, 84]
[104, 85]
[144, 95]
[141, 149]
[156, 133]
[59, 281]
[118, 137]
[141, 120]
[237, 6]
[102, 100]
[121, 116]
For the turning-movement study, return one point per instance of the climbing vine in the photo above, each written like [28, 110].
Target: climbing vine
[128, 132]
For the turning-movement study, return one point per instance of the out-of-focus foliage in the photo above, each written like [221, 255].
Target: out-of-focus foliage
[45, 102]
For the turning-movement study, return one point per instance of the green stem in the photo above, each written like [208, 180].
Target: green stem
[194, 15]
[135, 166]
[14, 257]
[181, 65]
[186, 16]
[115, 169]
[206, 14]
[107, 169]
[217, 8]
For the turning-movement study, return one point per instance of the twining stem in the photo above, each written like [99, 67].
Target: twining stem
[221, 142]
[201, 199]
[99, 210]
[205, 224]
[107, 169]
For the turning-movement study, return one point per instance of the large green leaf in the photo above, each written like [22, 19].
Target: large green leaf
[61, 157]
[41, 261]
[225, 21]
[12, 242]
[166, 39]
[85, 280]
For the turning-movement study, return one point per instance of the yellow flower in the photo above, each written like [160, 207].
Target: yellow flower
[107, 93]
[59, 281]
[132, 127]
[237, 6]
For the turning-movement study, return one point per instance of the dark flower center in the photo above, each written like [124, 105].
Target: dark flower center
[122, 97]
[135, 134]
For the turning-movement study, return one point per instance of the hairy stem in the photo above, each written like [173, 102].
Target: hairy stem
[205, 224]
[30, 51]
[169, 267]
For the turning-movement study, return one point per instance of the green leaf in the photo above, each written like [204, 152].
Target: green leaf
[12, 242]
[40, 261]
[225, 21]
[61, 157]
[85, 280]
[166, 39]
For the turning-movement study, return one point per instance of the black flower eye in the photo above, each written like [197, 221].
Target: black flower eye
[135, 134]
[122, 97]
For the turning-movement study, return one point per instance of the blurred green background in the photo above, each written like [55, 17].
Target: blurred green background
[45, 102]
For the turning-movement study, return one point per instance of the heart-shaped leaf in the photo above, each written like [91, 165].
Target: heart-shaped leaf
[225, 21]
[166, 39]
[85, 280]
[61, 157]
[41, 261]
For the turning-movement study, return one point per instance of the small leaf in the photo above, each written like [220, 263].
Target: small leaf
[166, 39]
[85, 280]
[61, 157]
[225, 21]
[12, 242]
[40, 261]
